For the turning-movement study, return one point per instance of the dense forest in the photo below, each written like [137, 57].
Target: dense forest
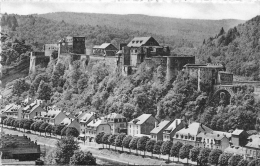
[192, 30]
[38, 31]
[238, 48]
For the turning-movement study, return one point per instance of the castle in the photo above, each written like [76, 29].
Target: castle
[128, 58]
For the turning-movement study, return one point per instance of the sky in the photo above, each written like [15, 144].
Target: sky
[191, 9]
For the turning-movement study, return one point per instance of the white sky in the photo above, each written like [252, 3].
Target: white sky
[199, 9]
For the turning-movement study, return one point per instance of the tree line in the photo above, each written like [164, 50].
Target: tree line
[39, 126]
[203, 156]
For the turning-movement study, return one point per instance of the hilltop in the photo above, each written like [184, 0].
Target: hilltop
[238, 48]
[193, 30]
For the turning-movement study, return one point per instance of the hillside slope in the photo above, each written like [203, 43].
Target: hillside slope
[190, 29]
[39, 30]
[238, 48]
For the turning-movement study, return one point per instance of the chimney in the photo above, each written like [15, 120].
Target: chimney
[155, 123]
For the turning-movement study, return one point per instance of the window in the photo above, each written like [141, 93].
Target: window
[102, 128]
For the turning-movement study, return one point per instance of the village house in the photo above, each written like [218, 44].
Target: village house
[170, 131]
[105, 49]
[236, 150]
[84, 121]
[188, 135]
[95, 127]
[117, 122]
[239, 138]
[253, 147]
[70, 122]
[143, 124]
[213, 140]
[157, 132]
[32, 110]
[52, 117]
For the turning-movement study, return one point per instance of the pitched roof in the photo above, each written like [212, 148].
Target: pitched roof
[96, 46]
[66, 121]
[138, 41]
[26, 150]
[213, 135]
[235, 150]
[141, 119]
[86, 117]
[30, 108]
[160, 126]
[194, 129]
[104, 45]
[254, 141]
[114, 115]
[96, 122]
[237, 132]
[173, 125]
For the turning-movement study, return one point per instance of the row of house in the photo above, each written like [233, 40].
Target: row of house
[89, 124]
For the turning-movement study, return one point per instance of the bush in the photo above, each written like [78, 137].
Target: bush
[83, 158]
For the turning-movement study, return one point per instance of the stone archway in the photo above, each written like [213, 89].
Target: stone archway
[221, 97]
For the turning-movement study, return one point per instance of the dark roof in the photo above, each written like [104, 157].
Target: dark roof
[138, 41]
[141, 119]
[160, 126]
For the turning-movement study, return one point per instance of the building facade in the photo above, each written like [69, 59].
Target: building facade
[143, 124]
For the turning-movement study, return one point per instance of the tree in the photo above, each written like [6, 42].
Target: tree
[3, 117]
[185, 151]
[43, 127]
[203, 156]
[65, 149]
[83, 158]
[176, 149]
[126, 142]
[72, 131]
[150, 145]
[111, 139]
[133, 144]
[254, 162]
[37, 126]
[20, 86]
[142, 143]
[166, 148]
[194, 153]
[105, 139]
[223, 159]
[119, 140]
[49, 128]
[58, 128]
[157, 147]
[63, 131]
[99, 137]
[44, 91]
[214, 156]
[234, 160]
[242, 162]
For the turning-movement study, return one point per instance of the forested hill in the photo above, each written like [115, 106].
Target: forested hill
[37, 31]
[238, 48]
[191, 29]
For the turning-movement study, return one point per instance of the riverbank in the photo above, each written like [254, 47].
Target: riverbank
[116, 156]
